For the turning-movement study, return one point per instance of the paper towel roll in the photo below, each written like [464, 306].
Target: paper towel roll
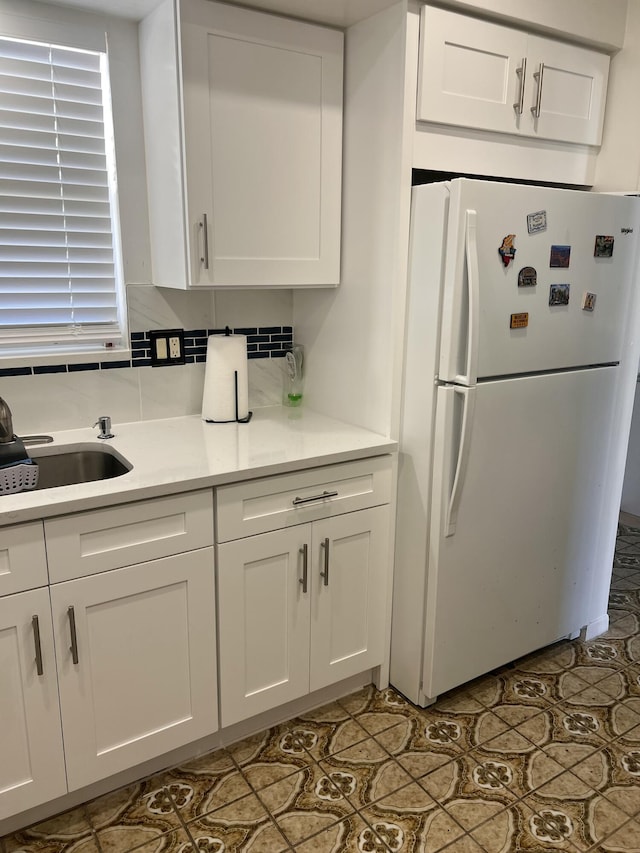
[225, 354]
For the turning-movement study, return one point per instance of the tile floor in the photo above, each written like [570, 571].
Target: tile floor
[543, 755]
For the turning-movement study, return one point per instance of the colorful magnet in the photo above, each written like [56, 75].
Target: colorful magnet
[537, 221]
[588, 301]
[507, 250]
[560, 256]
[527, 277]
[519, 321]
[603, 247]
[559, 294]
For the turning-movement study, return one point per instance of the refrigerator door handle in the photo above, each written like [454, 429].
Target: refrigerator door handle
[469, 399]
[473, 293]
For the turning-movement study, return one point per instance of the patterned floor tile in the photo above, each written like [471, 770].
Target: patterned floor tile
[537, 690]
[409, 821]
[321, 739]
[118, 839]
[551, 660]
[441, 733]
[605, 651]
[143, 811]
[376, 710]
[268, 756]
[241, 826]
[470, 792]
[195, 793]
[521, 774]
[623, 840]
[624, 621]
[585, 817]
[307, 802]
[70, 831]
[518, 828]
[351, 835]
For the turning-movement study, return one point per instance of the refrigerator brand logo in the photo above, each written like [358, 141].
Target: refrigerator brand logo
[626, 230]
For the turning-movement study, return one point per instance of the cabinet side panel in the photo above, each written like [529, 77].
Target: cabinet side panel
[161, 111]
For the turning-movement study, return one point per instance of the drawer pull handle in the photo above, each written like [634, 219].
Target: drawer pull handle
[35, 624]
[73, 648]
[305, 567]
[325, 494]
[325, 573]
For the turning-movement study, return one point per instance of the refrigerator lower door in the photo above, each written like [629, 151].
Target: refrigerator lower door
[517, 492]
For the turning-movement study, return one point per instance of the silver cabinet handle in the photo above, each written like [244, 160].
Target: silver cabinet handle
[205, 241]
[35, 624]
[325, 494]
[305, 567]
[325, 573]
[539, 77]
[73, 648]
[521, 72]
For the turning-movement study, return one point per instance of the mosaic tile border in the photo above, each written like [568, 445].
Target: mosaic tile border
[262, 342]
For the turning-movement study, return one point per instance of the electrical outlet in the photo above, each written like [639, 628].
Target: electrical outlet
[175, 350]
[167, 347]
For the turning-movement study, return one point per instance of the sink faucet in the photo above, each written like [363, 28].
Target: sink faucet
[104, 422]
[6, 423]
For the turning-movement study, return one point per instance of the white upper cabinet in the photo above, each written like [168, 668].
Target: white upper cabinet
[243, 131]
[482, 75]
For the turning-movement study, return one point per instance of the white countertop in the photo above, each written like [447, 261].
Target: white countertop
[182, 454]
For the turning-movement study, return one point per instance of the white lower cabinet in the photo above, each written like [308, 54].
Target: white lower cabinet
[299, 609]
[136, 651]
[32, 760]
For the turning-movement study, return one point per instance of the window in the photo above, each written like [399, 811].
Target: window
[61, 287]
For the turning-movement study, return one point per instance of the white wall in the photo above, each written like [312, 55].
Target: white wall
[600, 23]
[349, 333]
[618, 163]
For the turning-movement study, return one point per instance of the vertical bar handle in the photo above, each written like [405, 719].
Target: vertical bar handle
[204, 225]
[539, 75]
[521, 72]
[305, 567]
[473, 296]
[468, 396]
[73, 648]
[35, 625]
[325, 574]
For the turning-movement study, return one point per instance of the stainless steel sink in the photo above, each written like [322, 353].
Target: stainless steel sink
[79, 464]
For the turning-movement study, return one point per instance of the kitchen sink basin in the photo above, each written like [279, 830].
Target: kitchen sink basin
[77, 465]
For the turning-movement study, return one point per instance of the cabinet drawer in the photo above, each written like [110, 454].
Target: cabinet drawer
[271, 503]
[23, 560]
[90, 542]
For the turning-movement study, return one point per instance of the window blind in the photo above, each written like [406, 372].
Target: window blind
[60, 279]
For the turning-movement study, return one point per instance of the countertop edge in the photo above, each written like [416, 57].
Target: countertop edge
[68, 500]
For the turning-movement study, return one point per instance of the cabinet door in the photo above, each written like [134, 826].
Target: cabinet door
[32, 763]
[568, 99]
[469, 72]
[139, 678]
[263, 147]
[264, 597]
[350, 556]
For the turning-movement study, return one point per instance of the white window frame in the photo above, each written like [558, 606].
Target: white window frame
[73, 351]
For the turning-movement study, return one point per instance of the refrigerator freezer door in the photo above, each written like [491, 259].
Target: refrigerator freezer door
[514, 572]
[481, 292]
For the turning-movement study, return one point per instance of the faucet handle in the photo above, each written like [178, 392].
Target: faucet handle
[104, 422]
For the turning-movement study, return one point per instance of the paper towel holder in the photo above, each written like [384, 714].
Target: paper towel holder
[236, 420]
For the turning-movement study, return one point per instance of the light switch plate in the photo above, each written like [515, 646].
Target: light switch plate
[167, 347]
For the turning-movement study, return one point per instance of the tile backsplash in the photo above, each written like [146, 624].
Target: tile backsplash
[68, 396]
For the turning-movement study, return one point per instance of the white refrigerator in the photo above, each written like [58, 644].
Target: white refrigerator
[517, 304]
